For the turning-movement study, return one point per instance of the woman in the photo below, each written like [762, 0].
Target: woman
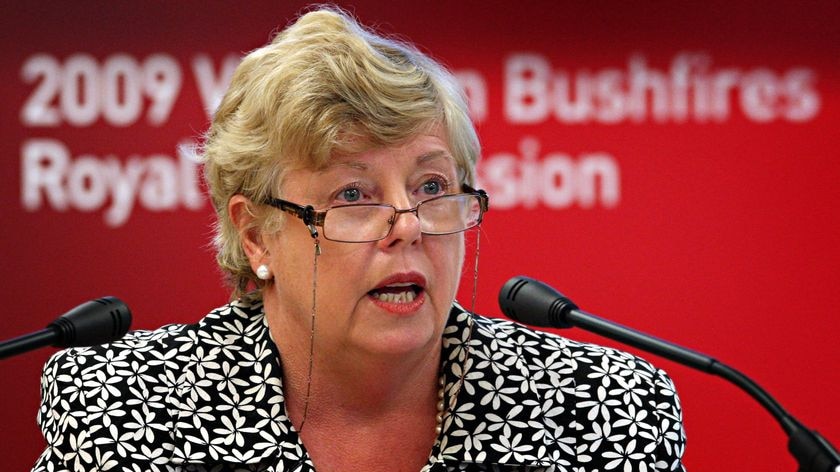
[341, 166]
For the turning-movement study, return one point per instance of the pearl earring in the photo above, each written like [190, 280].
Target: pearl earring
[263, 272]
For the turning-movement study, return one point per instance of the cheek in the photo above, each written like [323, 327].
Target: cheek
[293, 280]
[343, 273]
[292, 253]
[448, 258]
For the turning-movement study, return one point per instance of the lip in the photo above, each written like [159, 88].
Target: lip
[412, 277]
[405, 308]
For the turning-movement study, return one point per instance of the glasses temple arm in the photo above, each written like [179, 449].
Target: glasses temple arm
[482, 196]
[310, 217]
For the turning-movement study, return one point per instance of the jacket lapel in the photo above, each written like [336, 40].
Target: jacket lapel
[228, 404]
[498, 415]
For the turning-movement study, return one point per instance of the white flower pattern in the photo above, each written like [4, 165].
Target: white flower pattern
[209, 397]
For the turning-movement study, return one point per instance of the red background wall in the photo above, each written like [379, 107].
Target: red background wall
[719, 230]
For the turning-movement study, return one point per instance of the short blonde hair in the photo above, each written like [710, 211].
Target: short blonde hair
[325, 84]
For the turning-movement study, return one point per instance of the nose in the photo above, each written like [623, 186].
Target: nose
[405, 228]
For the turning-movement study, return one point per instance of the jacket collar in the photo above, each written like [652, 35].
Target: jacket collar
[252, 427]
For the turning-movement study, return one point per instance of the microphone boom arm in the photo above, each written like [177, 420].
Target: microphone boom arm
[27, 342]
[813, 452]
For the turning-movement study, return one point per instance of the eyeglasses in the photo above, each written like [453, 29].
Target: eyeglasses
[368, 222]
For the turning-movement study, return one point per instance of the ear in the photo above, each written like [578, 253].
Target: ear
[242, 216]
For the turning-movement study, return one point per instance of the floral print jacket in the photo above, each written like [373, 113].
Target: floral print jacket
[209, 397]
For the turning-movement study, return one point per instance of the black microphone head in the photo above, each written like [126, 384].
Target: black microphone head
[99, 321]
[534, 303]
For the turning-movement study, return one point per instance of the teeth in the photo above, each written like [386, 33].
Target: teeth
[402, 297]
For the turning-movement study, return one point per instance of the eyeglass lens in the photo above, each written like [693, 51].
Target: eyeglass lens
[361, 223]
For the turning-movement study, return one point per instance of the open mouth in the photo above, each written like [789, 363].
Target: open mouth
[397, 293]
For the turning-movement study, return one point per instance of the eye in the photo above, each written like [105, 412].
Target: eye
[431, 188]
[434, 186]
[350, 195]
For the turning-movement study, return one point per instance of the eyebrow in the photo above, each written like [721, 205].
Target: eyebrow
[430, 156]
[363, 166]
[359, 165]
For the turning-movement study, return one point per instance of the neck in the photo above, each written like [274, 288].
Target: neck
[358, 404]
[352, 386]
[366, 386]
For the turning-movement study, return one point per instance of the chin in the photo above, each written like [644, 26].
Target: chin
[397, 342]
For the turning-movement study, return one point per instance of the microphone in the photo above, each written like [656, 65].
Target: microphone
[99, 321]
[532, 302]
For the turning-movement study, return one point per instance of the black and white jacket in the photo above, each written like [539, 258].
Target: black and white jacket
[209, 397]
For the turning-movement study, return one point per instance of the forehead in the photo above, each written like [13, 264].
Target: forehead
[429, 149]
[423, 153]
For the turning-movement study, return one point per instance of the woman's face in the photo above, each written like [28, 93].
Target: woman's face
[386, 297]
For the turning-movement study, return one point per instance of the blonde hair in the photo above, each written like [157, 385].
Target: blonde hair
[325, 84]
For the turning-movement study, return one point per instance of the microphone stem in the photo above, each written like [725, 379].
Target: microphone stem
[27, 342]
[813, 452]
[681, 355]
[761, 396]
[637, 339]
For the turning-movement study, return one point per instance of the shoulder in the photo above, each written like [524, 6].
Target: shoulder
[87, 392]
[545, 351]
[85, 374]
[594, 403]
[142, 353]
[117, 396]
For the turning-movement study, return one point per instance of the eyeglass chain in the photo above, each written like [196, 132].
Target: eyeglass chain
[441, 380]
